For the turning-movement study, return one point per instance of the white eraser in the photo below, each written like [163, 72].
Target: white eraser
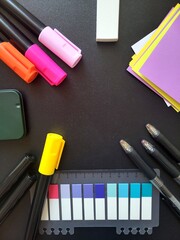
[107, 20]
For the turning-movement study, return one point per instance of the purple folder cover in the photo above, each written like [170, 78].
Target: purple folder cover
[163, 67]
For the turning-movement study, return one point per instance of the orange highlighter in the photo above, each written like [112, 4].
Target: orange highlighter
[17, 62]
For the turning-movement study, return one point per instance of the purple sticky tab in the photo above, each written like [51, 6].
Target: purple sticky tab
[88, 190]
[76, 191]
[65, 190]
[99, 189]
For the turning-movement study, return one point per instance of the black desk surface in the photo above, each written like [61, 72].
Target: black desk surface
[98, 104]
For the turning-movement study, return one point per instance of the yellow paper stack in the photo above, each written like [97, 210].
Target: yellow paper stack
[158, 63]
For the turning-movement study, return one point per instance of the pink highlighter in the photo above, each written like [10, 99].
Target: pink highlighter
[53, 74]
[51, 38]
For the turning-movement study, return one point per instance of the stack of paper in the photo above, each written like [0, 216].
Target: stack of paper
[157, 63]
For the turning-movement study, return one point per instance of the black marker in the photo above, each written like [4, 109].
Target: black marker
[43, 63]
[160, 138]
[16, 195]
[168, 166]
[12, 178]
[152, 176]
[52, 39]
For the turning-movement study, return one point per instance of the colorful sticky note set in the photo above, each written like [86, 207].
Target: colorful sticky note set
[122, 199]
[157, 63]
[99, 201]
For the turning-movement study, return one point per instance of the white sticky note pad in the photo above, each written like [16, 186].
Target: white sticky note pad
[135, 208]
[66, 208]
[141, 43]
[54, 209]
[146, 208]
[100, 208]
[77, 208]
[88, 209]
[123, 208]
[107, 20]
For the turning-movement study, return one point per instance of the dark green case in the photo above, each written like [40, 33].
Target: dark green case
[12, 120]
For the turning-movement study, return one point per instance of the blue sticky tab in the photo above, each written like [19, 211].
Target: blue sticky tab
[135, 190]
[99, 190]
[88, 190]
[146, 190]
[111, 190]
[123, 189]
[65, 190]
[76, 191]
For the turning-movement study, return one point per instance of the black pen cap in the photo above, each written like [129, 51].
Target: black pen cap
[23, 15]
[26, 182]
[14, 34]
[14, 175]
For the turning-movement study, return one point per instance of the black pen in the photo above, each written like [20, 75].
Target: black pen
[26, 182]
[160, 138]
[152, 176]
[168, 166]
[14, 175]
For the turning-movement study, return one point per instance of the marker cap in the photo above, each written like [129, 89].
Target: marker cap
[53, 74]
[60, 46]
[51, 155]
[17, 62]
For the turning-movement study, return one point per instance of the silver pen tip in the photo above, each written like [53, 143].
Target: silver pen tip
[126, 147]
[147, 145]
[152, 130]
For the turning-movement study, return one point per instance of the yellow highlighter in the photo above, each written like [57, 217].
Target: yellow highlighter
[50, 160]
[51, 155]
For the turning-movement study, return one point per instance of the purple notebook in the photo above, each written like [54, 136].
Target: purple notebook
[163, 66]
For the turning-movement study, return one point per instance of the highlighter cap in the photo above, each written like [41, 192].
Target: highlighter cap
[51, 155]
[17, 62]
[60, 46]
[53, 74]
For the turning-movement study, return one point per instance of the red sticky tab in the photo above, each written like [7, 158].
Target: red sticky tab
[53, 191]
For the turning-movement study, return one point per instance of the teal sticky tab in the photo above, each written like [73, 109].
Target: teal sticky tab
[146, 190]
[135, 190]
[123, 190]
[111, 190]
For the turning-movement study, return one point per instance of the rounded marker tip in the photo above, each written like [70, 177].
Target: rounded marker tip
[147, 145]
[148, 126]
[126, 147]
[152, 130]
[144, 142]
[121, 141]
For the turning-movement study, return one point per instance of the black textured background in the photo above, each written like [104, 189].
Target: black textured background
[98, 104]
